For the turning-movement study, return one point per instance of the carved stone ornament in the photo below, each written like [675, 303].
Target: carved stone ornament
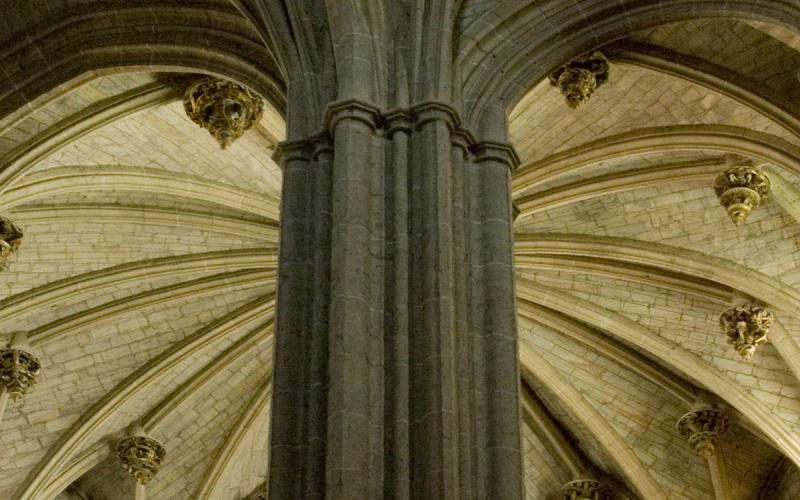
[10, 239]
[583, 489]
[19, 371]
[746, 327]
[579, 78]
[741, 190]
[141, 456]
[702, 429]
[225, 108]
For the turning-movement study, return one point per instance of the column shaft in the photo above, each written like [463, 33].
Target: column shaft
[719, 480]
[494, 327]
[355, 372]
[3, 401]
[141, 492]
[396, 370]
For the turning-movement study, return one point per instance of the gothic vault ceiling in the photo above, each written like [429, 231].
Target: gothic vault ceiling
[146, 277]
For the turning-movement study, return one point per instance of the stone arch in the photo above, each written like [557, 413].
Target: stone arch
[721, 138]
[56, 463]
[516, 43]
[162, 37]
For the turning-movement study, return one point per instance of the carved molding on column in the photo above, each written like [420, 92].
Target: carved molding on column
[496, 151]
[398, 120]
[303, 149]
[10, 239]
[353, 109]
[226, 109]
[741, 190]
[141, 456]
[583, 489]
[579, 78]
[19, 371]
[395, 120]
[746, 327]
[426, 112]
[702, 429]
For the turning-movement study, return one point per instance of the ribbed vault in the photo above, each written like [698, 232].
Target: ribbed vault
[146, 280]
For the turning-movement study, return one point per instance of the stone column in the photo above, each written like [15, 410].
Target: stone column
[396, 372]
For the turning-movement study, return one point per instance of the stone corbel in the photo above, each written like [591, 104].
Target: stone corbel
[746, 327]
[741, 188]
[19, 370]
[702, 428]
[141, 456]
[583, 489]
[10, 239]
[224, 108]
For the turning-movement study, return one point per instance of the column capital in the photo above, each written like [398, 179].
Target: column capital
[353, 109]
[496, 151]
[303, 149]
[395, 120]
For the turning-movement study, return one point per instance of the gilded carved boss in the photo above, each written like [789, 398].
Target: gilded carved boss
[141, 456]
[10, 239]
[746, 327]
[225, 108]
[741, 190]
[579, 78]
[702, 428]
[19, 371]
[583, 489]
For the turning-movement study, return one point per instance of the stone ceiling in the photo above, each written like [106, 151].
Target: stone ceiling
[147, 275]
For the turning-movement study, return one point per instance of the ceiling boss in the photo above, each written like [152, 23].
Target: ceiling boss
[579, 78]
[226, 109]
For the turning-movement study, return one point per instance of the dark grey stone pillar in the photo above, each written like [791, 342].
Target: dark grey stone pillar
[396, 372]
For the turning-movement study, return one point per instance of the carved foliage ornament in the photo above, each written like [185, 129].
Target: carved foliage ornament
[583, 489]
[225, 108]
[10, 239]
[746, 327]
[141, 456]
[741, 190]
[579, 78]
[19, 371]
[702, 429]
